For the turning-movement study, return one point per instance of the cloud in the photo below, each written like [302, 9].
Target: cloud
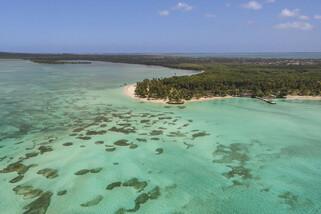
[317, 17]
[182, 6]
[289, 13]
[210, 15]
[164, 13]
[252, 5]
[295, 13]
[270, 1]
[303, 17]
[295, 25]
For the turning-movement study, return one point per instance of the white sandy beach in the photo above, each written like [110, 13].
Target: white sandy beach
[303, 97]
[129, 90]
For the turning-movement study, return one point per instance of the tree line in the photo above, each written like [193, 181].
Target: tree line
[238, 80]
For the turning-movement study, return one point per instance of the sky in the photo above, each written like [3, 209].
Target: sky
[160, 26]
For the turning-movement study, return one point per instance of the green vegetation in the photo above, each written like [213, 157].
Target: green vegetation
[251, 80]
[221, 77]
[44, 61]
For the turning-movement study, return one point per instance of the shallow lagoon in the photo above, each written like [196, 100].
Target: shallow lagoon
[71, 142]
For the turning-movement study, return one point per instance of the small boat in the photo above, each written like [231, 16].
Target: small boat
[176, 102]
[269, 101]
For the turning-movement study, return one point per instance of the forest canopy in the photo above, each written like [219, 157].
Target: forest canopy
[234, 79]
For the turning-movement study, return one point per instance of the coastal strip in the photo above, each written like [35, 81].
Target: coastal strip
[315, 98]
[129, 90]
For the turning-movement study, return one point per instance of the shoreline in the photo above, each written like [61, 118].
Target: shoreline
[129, 91]
[291, 97]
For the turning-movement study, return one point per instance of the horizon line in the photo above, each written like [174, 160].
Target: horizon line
[161, 53]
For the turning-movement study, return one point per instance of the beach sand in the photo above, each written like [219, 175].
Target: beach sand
[303, 97]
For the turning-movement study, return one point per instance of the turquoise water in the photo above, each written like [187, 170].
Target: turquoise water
[71, 142]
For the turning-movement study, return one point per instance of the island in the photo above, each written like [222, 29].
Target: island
[221, 80]
[215, 78]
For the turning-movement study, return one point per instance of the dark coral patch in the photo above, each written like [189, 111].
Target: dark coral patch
[96, 132]
[165, 118]
[141, 199]
[188, 145]
[82, 172]
[289, 198]
[123, 130]
[133, 146]
[156, 132]
[27, 191]
[96, 170]
[239, 171]
[40, 205]
[154, 193]
[121, 143]
[99, 142]
[233, 152]
[159, 151]
[135, 183]
[110, 149]
[67, 144]
[113, 185]
[78, 129]
[18, 167]
[44, 149]
[93, 202]
[125, 124]
[144, 197]
[84, 137]
[122, 210]
[62, 192]
[200, 134]
[3, 158]
[16, 179]
[31, 155]
[176, 134]
[86, 171]
[48, 173]
[236, 156]
[101, 118]
[265, 189]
